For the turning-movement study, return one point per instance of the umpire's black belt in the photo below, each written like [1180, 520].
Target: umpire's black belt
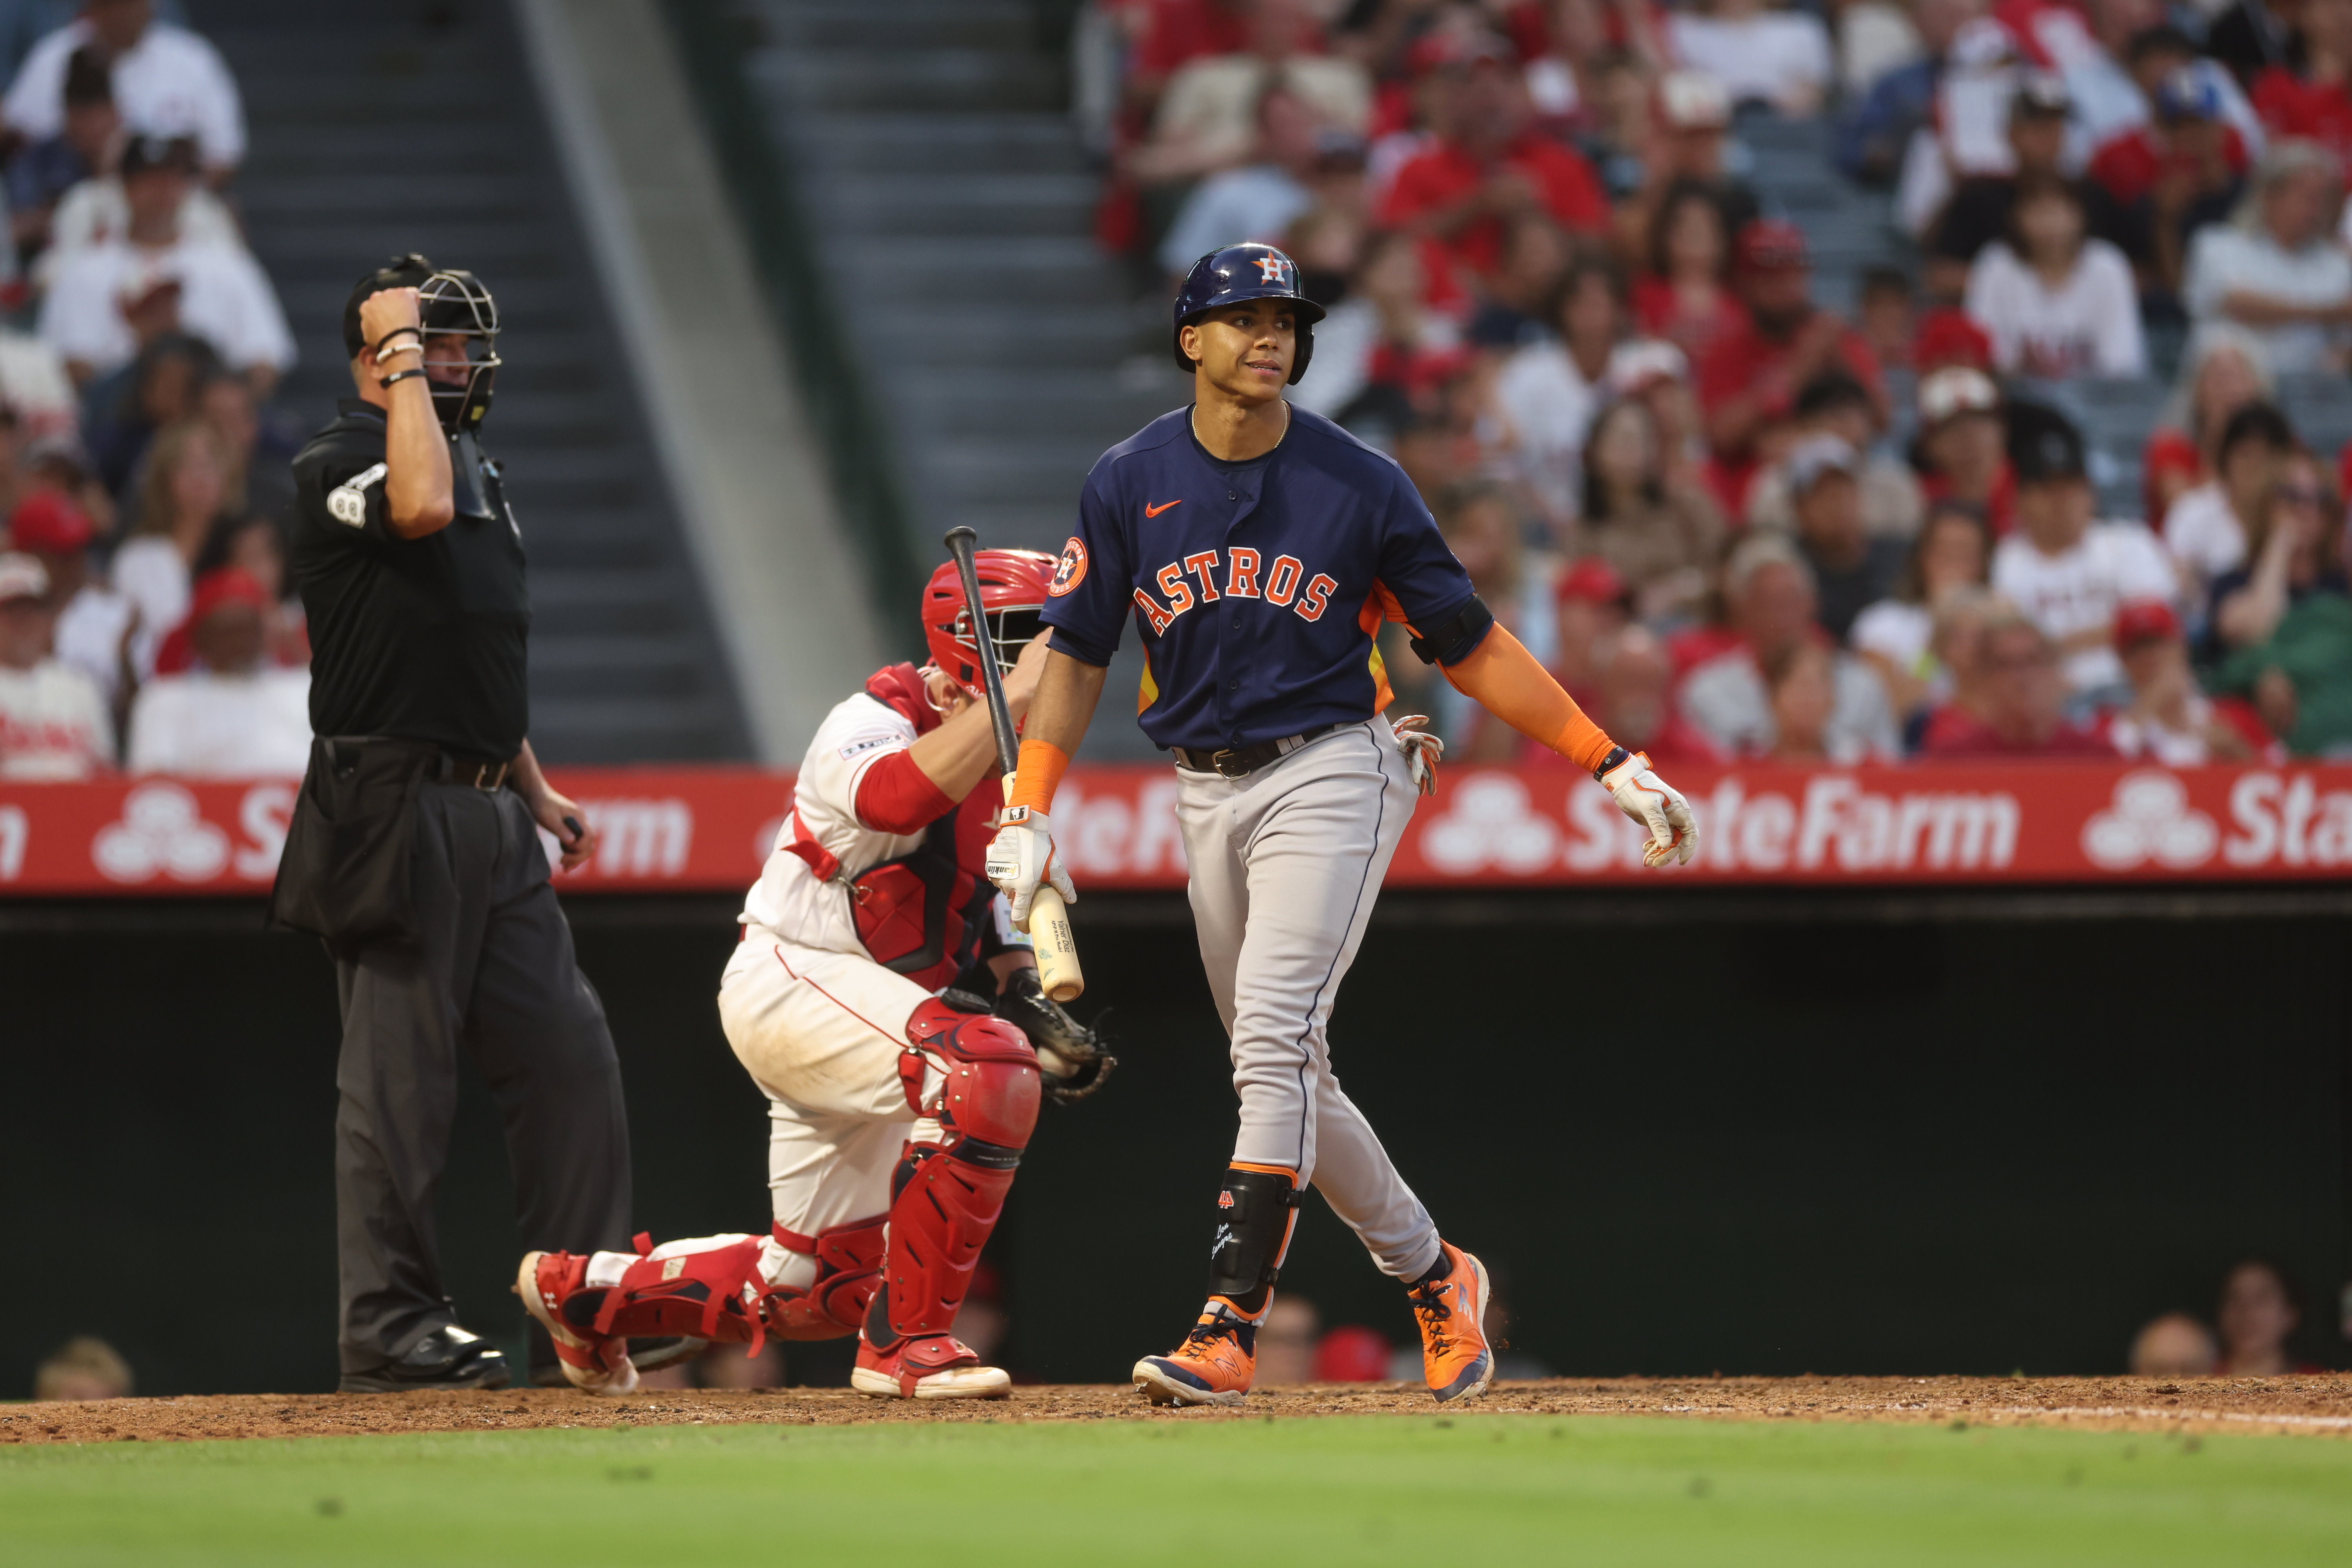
[486, 773]
[1240, 762]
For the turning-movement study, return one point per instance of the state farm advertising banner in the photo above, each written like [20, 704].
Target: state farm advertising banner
[709, 830]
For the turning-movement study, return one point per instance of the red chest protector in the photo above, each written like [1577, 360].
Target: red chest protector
[921, 914]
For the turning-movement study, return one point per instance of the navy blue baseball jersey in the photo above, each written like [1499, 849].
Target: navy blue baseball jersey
[1256, 586]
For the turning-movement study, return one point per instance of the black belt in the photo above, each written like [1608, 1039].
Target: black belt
[485, 773]
[1240, 762]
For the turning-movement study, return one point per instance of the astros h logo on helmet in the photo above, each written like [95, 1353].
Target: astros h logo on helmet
[1275, 269]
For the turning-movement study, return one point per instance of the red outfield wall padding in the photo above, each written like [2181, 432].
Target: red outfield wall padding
[708, 829]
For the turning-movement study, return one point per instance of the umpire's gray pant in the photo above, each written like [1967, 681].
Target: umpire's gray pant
[493, 973]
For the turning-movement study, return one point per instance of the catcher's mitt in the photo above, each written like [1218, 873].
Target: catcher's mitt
[1071, 1060]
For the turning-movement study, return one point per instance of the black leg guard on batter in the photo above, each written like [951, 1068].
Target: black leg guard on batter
[948, 1196]
[1256, 1209]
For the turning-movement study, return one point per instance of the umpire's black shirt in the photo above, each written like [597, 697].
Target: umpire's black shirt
[420, 638]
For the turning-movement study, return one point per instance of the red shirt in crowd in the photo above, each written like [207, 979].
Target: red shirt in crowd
[2290, 106]
[2129, 165]
[1659, 312]
[1446, 175]
[1954, 732]
[1745, 361]
[1178, 32]
[2170, 453]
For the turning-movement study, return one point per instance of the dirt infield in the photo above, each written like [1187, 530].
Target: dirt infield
[2317, 1405]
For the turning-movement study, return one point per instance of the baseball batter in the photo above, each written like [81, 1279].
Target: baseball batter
[1257, 548]
[882, 1001]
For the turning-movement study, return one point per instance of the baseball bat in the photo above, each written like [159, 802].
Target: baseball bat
[1049, 917]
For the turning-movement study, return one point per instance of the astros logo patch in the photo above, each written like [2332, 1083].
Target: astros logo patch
[1275, 269]
[1072, 569]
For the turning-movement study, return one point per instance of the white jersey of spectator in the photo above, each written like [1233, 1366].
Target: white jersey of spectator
[225, 299]
[1874, 38]
[1897, 631]
[204, 725]
[2203, 533]
[1210, 105]
[1771, 56]
[2088, 325]
[149, 572]
[1345, 343]
[1252, 203]
[1726, 697]
[170, 83]
[1552, 87]
[2112, 564]
[89, 636]
[34, 384]
[2135, 738]
[2224, 259]
[53, 724]
[1549, 406]
[96, 211]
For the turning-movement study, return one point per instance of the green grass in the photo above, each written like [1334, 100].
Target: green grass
[1470, 1491]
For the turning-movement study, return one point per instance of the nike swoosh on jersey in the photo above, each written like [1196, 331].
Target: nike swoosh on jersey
[1150, 511]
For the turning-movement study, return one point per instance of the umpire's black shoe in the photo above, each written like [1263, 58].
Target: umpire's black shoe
[649, 1356]
[449, 1357]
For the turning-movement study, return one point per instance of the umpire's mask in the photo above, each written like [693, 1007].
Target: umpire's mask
[453, 303]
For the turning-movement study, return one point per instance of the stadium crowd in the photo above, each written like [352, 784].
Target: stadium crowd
[1739, 520]
[146, 622]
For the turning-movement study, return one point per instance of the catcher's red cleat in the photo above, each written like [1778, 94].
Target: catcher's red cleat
[926, 1366]
[598, 1363]
[1450, 1307]
[1214, 1365]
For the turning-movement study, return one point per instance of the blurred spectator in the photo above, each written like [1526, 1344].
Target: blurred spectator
[1685, 297]
[2292, 551]
[2251, 36]
[2256, 1316]
[1800, 679]
[2207, 528]
[2056, 303]
[1663, 541]
[1491, 165]
[1590, 606]
[2299, 676]
[2063, 571]
[1962, 445]
[1384, 327]
[233, 716]
[2168, 720]
[2179, 172]
[53, 722]
[1351, 1353]
[2223, 371]
[1980, 210]
[1749, 386]
[2275, 267]
[1535, 256]
[258, 453]
[1546, 391]
[1889, 315]
[94, 623]
[183, 497]
[2174, 1345]
[125, 408]
[1171, 34]
[1655, 375]
[1768, 589]
[1760, 55]
[1835, 404]
[1258, 199]
[1853, 566]
[1482, 528]
[2312, 98]
[1208, 119]
[167, 82]
[1896, 635]
[1574, 38]
[1688, 146]
[1873, 141]
[254, 546]
[1962, 685]
[1874, 38]
[1634, 675]
[2020, 709]
[99, 209]
[223, 296]
[40, 173]
[1286, 1342]
[83, 1368]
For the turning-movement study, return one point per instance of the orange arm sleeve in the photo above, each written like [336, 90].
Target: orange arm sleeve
[1043, 763]
[1503, 679]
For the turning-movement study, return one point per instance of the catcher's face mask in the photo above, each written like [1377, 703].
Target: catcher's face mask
[461, 360]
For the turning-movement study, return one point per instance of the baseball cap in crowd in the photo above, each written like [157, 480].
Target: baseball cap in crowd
[1336, 147]
[1815, 458]
[1443, 47]
[223, 586]
[1948, 336]
[142, 153]
[1693, 101]
[22, 577]
[2044, 448]
[2190, 92]
[2041, 95]
[1773, 244]
[2144, 620]
[49, 520]
[1634, 367]
[1955, 390]
[1591, 580]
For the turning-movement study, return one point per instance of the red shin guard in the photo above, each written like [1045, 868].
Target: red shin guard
[714, 1295]
[848, 1272]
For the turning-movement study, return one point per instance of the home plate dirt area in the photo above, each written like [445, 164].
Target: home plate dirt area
[2316, 1405]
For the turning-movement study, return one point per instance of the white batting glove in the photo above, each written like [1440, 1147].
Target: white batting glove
[1021, 856]
[1655, 804]
[1422, 750]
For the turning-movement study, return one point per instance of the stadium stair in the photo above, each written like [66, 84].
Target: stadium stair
[382, 129]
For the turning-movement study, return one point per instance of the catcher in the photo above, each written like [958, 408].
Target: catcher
[882, 1000]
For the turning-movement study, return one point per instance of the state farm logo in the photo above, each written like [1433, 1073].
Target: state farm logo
[1491, 822]
[1836, 824]
[2151, 819]
[161, 831]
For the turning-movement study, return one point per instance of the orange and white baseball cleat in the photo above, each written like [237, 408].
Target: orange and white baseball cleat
[1450, 1307]
[926, 1366]
[598, 1363]
[1214, 1365]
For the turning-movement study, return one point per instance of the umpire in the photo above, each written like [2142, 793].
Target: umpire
[414, 848]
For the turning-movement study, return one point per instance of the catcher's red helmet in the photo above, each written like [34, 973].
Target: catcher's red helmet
[1013, 586]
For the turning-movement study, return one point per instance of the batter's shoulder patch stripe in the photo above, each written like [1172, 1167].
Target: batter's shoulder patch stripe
[347, 502]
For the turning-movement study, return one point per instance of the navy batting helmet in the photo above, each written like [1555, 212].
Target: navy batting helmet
[1239, 272]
